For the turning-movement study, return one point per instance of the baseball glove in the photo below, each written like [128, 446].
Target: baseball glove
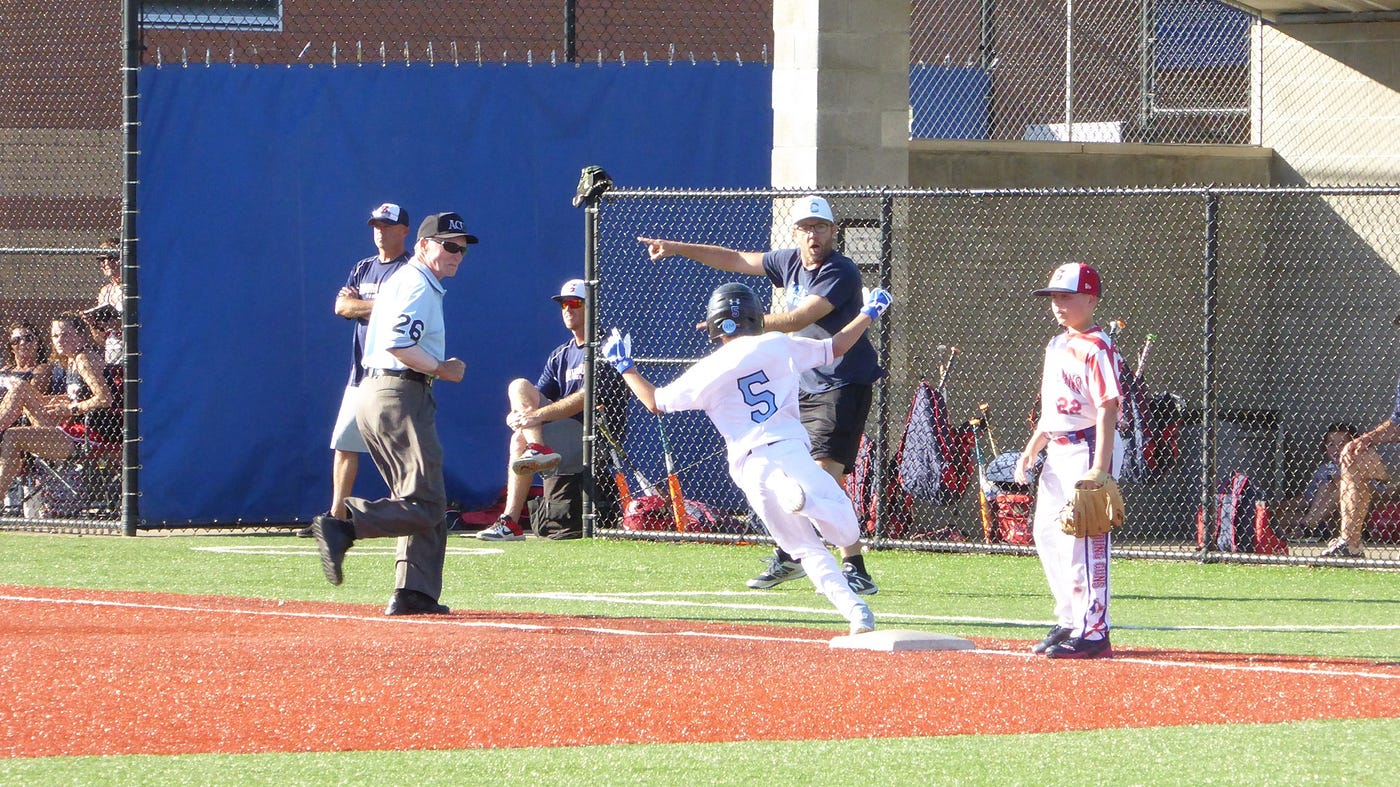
[593, 183]
[1096, 507]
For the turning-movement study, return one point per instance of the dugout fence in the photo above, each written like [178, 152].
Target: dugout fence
[1270, 314]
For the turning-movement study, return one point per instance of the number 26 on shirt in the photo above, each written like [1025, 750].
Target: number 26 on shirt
[410, 326]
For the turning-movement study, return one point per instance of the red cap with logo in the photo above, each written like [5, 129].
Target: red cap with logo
[1070, 278]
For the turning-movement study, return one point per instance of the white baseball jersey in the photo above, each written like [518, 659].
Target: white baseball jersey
[748, 388]
[1081, 375]
[407, 311]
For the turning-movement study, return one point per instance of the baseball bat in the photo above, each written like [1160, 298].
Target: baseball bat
[646, 486]
[673, 481]
[1142, 355]
[977, 428]
[947, 365]
[987, 427]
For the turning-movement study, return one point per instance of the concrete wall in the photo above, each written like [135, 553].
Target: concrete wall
[1327, 100]
[840, 93]
[986, 165]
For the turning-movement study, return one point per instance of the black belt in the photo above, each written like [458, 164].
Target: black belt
[407, 374]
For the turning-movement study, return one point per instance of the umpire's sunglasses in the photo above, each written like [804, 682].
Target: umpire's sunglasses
[448, 246]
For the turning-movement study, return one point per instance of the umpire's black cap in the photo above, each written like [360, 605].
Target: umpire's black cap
[445, 225]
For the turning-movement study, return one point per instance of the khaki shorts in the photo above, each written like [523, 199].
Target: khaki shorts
[346, 434]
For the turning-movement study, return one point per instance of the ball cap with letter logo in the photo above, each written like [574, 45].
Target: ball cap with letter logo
[573, 288]
[813, 207]
[445, 225]
[1070, 278]
[391, 213]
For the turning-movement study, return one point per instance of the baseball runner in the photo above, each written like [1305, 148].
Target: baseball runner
[823, 289]
[354, 302]
[404, 353]
[749, 388]
[1079, 394]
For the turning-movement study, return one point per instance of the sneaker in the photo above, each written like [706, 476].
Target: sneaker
[538, 458]
[306, 532]
[864, 622]
[778, 572]
[860, 582]
[503, 530]
[1338, 547]
[1080, 648]
[788, 493]
[1057, 635]
[452, 520]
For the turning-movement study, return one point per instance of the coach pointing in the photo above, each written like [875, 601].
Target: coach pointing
[823, 289]
[404, 349]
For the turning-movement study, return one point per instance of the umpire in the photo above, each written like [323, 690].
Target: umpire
[404, 347]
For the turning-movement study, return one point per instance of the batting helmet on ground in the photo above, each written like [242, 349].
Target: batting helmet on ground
[734, 310]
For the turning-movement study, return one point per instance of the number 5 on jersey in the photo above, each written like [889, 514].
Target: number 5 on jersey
[763, 402]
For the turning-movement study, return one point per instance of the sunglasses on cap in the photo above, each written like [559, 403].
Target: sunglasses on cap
[449, 246]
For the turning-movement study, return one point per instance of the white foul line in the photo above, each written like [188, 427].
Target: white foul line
[441, 621]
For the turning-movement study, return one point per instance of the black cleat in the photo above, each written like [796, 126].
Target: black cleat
[413, 602]
[1080, 648]
[1057, 635]
[333, 538]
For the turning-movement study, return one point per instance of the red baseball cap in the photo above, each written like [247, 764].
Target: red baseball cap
[1072, 277]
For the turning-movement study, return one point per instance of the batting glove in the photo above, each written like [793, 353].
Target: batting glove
[618, 350]
[876, 302]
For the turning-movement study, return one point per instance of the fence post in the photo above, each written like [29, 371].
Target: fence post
[131, 376]
[1212, 204]
[570, 31]
[882, 405]
[590, 355]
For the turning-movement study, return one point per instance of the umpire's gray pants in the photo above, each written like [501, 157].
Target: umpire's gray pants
[397, 418]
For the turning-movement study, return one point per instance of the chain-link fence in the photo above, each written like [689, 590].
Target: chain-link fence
[61, 181]
[1088, 71]
[347, 33]
[1259, 322]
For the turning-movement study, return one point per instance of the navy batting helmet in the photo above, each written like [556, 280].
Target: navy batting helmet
[734, 310]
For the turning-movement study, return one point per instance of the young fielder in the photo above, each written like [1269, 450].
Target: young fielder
[1076, 500]
[748, 387]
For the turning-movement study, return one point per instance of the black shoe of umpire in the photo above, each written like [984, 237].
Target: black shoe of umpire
[413, 602]
[333, 539]
[1057, 635]
[306, 532]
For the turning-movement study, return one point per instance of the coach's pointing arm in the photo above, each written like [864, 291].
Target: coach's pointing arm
[717, 257]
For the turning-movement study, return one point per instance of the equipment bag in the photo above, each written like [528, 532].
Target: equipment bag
[1241, 520]
[867, 500]
[934, 458]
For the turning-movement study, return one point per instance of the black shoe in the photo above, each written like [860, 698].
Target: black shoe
[306, 532]
[1080, 648]
[1057, 635]
[412, 602]
[333, 538]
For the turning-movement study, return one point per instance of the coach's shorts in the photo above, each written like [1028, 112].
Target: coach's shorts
[835, 420]
[565, 436]
[346, 435]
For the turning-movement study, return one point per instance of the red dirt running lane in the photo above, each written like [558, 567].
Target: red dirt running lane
[88, 673]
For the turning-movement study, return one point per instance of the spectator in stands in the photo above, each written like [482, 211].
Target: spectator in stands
[1316, 513]
[104, 321]
[61, 422]
[29, 359]
[1362, 473]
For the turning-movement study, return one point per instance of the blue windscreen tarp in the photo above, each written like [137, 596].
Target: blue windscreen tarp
[255, 187]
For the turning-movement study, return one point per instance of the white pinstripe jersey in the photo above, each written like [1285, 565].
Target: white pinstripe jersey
[1081, 375]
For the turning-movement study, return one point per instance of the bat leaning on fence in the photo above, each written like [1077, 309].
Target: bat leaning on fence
[622, 465]
[673, 481]
[983, 486]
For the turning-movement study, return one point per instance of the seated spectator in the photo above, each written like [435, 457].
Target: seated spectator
[60, 422]
[1361, 474]
[29, 359]
[1316, 514]
[550, 413]
[104, 321]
